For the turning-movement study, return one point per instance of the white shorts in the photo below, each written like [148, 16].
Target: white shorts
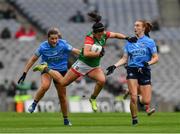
[81, 68]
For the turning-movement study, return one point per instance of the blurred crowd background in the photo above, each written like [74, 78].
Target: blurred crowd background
[24, 23]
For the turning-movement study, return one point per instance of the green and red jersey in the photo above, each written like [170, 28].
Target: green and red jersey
[89, 39]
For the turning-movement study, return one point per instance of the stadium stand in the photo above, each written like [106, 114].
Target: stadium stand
[120, 14]
[12, 24]
[14, 58]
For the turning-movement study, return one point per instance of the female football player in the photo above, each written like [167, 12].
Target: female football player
[55, 51]
[139, 57]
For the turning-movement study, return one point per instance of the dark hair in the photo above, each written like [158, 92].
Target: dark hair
[97, 26]
[147, 25]
[54, 30]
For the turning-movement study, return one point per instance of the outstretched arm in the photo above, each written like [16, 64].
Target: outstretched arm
[117, 35]
[122, 36]
[76, 51]
[122, 61]
[30, 63]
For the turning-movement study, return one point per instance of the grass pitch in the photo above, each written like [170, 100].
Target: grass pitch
[89, 123]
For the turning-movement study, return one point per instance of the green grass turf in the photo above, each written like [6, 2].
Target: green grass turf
[88, 123]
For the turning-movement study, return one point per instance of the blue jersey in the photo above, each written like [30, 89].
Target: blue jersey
[140, 52]
[56, 57]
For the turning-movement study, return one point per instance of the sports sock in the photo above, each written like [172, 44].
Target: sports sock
[135, 118]
[46, 70]
[34, 103]
[65, 117]
[147, 107]
[93, 97]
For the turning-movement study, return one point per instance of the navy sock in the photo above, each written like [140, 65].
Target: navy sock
[34, 102]
[65, 117]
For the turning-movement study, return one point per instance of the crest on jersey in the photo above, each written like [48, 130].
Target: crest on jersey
[77, 68]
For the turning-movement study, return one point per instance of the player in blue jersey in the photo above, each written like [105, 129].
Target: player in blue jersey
[139, 56]
[55, 51]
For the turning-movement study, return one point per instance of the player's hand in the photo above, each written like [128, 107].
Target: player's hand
[110, 69]
[102, 52]
[146, 64]
[22, 78]
[131, 39]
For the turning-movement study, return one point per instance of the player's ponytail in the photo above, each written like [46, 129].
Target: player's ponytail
[94, 16]
[148, 27]
[98, 26]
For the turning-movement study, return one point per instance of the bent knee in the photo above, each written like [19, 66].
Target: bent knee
[101, 81]
[64, 83]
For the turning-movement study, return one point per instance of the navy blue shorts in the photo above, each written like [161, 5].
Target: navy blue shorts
[63, 73]
[143, 75]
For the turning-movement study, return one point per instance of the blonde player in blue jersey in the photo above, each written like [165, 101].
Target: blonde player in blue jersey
[139, 56]
[55, 51]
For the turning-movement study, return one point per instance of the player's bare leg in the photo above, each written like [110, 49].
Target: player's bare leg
[45, 84]
[132, 86]
[98, 75]
[146, 92]
[63, 102]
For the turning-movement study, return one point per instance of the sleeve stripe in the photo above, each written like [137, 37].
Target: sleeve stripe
[88, 40]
